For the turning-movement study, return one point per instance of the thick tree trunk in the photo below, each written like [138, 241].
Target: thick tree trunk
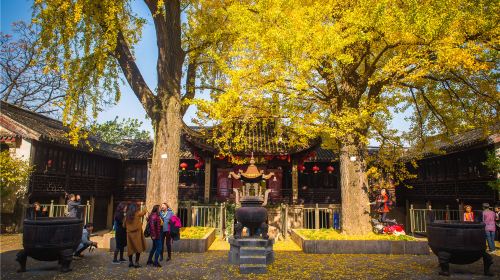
[164, 174]
[354, 191]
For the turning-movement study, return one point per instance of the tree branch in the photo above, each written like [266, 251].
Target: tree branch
[134, 76]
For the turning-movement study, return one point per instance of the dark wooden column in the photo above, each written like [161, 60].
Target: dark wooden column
[208, 172]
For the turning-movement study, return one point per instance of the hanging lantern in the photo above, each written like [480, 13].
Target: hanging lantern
[269, 157]
[183, 166]
[198, 165]
[221, 157]
[330, 169]
[315, 169]
[49, 163]
[283, 157]
[301, 168]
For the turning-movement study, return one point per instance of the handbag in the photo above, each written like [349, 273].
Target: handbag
[147, 230]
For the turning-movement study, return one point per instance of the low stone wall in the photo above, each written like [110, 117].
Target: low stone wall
[182, 245]
[360, 246]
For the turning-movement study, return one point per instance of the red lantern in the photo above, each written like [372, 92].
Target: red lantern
[198, 165]
[268, 158]
[49, 163]
[330, 169]
[315, 169]
[221, 157]
[302, 168]
[183, 166]
[283, 157]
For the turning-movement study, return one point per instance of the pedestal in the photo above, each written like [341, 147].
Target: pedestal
[251, 254]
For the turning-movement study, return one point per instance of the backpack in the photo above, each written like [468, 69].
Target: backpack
[175, 228]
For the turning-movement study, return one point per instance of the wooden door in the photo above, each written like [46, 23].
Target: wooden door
[224, 184]
[275, 186]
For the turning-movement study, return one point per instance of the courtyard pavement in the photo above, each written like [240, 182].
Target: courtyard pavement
[213, 265]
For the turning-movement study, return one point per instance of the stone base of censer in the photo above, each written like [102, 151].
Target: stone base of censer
[251, 254]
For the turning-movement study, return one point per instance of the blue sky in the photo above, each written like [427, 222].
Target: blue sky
[146, 54]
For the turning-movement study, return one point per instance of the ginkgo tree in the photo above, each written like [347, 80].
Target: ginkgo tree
[343, 69]
[92, 44]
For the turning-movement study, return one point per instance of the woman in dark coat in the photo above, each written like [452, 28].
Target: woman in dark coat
[120, 232]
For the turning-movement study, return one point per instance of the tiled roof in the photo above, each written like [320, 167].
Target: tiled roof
[261, 139]
[464, 140]
[141, 149]
[35, 126]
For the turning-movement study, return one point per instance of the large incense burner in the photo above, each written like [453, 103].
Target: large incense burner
[50, 239]
[252, 198]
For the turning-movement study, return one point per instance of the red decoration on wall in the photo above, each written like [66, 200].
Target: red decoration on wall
[330, 169]
[183, 166]
[315, 169]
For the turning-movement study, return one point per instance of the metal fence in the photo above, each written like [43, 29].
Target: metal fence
[60, 210]
[419, 218]
[203, 215]
[321, 217]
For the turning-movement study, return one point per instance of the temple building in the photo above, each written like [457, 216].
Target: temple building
[304, 174]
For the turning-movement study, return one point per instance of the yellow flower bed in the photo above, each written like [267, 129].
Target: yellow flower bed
[194, 232]
[332, 234]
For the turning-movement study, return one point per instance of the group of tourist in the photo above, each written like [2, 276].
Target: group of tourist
[491, 220]
[128, 221]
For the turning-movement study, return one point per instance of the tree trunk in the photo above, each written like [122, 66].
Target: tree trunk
[354, 191]
[163, 179]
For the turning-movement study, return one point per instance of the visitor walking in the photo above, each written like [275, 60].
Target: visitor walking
[86, 242]
[136, 244]
[165, 214]
[383, 203]
[489, 221]
[468, 214]
[73, 205]
[155, 229]
[120, 232]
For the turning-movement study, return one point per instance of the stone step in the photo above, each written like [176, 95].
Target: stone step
[253, 268]
[252, 251]
[254, 242]
[253, 260]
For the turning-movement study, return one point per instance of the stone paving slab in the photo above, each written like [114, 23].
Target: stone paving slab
[213, 265]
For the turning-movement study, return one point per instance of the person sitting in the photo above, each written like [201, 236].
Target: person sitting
[86, 242]
[38, 211]
[468, 214]
[73, 205]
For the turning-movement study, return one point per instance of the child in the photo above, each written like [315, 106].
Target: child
[468, 215]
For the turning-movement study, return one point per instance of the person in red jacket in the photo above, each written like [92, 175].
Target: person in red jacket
[383, 203]
[156, 226]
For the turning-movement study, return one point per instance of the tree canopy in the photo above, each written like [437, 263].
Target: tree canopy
[23, 80]
[342, 69]
[117, 130]
[14, 177]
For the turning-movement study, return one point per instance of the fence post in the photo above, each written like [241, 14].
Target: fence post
[87, 213]
[194, 213]
[316, 217]
[51, 208]
[221, 218]
[412, 220]
[285, 226]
